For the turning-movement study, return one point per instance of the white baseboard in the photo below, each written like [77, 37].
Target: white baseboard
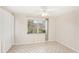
[30, 43]
[68, 46]
[26, 43]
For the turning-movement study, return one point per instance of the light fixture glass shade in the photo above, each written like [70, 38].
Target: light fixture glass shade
[44, 15]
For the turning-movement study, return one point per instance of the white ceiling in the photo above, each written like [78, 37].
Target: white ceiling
[37, 10]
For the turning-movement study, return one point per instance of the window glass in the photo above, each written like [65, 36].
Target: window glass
[36, 26]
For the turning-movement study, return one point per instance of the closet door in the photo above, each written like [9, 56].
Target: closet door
[0, 33]
[0, 28]
[7, 31]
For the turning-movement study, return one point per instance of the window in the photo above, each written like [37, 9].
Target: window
[36, 26]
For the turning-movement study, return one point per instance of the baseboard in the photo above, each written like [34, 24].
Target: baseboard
[68, 47]
[32, 43]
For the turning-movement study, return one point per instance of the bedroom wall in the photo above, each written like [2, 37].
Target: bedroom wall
[21, 36]
[67, 29]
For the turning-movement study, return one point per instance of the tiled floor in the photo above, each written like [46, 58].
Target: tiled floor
[47, 47]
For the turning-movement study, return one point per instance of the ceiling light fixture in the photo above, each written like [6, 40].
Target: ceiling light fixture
[44, 12]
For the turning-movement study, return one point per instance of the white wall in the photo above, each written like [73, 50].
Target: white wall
[7, 30]
[67, 29]
[51, 28]
[21, 36]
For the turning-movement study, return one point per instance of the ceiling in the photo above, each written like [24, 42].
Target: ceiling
[37, 10]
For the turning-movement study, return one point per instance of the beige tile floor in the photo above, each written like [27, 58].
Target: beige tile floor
[46, 47]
